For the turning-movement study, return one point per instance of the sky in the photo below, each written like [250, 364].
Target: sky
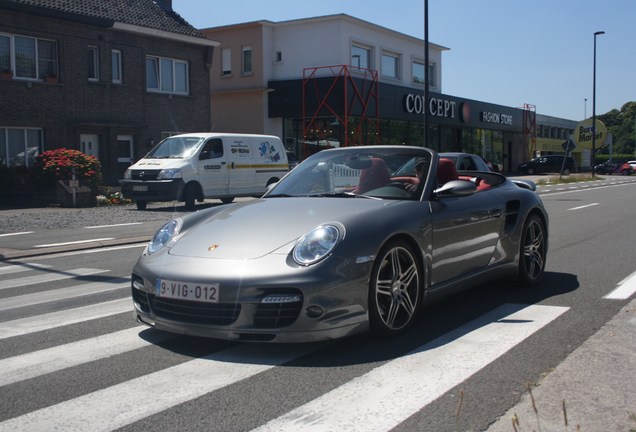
[506, 52]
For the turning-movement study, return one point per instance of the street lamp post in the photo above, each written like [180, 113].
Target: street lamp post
[594, 104]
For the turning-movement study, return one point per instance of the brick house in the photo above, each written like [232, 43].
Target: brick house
[109, 78]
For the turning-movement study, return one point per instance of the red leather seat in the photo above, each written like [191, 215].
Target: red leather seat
[373, 177]
[446, 171]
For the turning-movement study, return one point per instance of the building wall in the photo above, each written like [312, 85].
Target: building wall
[74, 105]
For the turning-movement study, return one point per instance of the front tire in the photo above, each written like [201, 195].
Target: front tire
[394, 290]
[189, 196]
[534, 248]
[141, 204]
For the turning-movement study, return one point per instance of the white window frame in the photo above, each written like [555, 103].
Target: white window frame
[431, 73]
[247, 65]
[116, 66]
[27, 133]
[396, 62]
[226, 61]
[360, 64]
[93, 63]
[37, 65]
[168, 72]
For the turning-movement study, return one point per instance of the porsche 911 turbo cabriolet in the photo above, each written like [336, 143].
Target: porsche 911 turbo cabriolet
[354, 239]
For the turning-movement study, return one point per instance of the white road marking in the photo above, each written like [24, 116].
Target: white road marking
[584, 206]
[49, 277]
[113, 225]
[16, 233]
[34, 364]
[624, 289]
[400, 388]
[60, 294]
[15, 268]
[73, 242]
[122, 404]
[90, 251]
[61, 318]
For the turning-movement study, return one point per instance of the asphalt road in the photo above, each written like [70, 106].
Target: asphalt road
[72, 357]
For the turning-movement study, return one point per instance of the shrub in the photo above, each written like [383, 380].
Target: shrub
[60, 164]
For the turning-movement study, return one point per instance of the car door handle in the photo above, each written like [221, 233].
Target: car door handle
[495, 213]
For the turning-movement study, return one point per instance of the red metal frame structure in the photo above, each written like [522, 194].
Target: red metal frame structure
[359, 89]
[530, 128]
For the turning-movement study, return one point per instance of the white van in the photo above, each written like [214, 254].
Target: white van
[196, 166]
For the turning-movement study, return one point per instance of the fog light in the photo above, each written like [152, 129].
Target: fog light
[282, 298]
[139, 284]
[314, 311]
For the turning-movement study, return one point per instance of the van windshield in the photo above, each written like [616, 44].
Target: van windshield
[175, 148]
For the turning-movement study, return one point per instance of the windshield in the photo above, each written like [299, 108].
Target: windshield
[175, 148]
[369, 172]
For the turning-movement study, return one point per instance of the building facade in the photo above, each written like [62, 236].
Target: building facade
[337, 80]
[110, 80]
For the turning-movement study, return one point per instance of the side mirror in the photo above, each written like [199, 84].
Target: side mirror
[456, 188]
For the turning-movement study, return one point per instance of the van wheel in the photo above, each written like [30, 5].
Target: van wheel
[227, 200]
[530, 171]
[189, 196]
[141, 204]
[566, 172]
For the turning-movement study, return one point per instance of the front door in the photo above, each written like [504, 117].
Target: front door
[124, 154]
[89, 144]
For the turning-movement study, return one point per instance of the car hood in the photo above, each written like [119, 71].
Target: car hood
[259, 227]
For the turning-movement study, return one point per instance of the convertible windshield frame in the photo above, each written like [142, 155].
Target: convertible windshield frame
[379, 172]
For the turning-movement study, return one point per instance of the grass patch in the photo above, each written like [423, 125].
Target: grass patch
[572, 178]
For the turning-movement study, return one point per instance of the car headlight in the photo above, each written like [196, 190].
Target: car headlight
[316, 244]
[166, 174]
[128, 174]
[165, 235]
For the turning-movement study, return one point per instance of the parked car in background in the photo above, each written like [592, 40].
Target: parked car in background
[612, 167]
[549, 163]
[632, 164]
[353, 239]
[466, 161]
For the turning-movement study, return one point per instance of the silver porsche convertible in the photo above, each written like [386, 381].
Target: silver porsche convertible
[354, 239]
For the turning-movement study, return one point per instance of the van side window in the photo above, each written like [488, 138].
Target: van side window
[212, 149]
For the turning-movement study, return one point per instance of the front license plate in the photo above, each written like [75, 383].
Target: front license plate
[208, 293]
[140, 188]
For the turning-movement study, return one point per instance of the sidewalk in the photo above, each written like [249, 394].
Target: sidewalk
[597, 384]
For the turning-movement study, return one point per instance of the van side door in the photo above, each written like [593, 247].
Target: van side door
[213, 170]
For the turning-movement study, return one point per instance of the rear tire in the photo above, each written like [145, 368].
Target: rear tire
[394, 290]
[141, 204]
[227, 200]
[533, 251]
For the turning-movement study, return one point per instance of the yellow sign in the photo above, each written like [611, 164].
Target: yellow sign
[583, 133]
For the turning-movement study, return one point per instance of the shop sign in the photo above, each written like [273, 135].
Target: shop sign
[496, 118]
[437, 107]
[584, 130]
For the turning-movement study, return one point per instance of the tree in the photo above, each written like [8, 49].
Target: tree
[621, 124]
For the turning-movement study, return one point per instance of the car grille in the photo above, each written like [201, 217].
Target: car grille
[144, 174]
[275, 315]
[188, 311]
[267, 315]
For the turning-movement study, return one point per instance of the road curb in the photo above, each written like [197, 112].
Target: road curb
[10, 254]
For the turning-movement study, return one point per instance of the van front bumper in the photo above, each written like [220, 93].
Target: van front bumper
[155, 190]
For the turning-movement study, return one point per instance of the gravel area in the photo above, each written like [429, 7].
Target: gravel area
[32, 219]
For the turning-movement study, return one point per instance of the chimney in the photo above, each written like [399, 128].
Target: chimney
[165, 4]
